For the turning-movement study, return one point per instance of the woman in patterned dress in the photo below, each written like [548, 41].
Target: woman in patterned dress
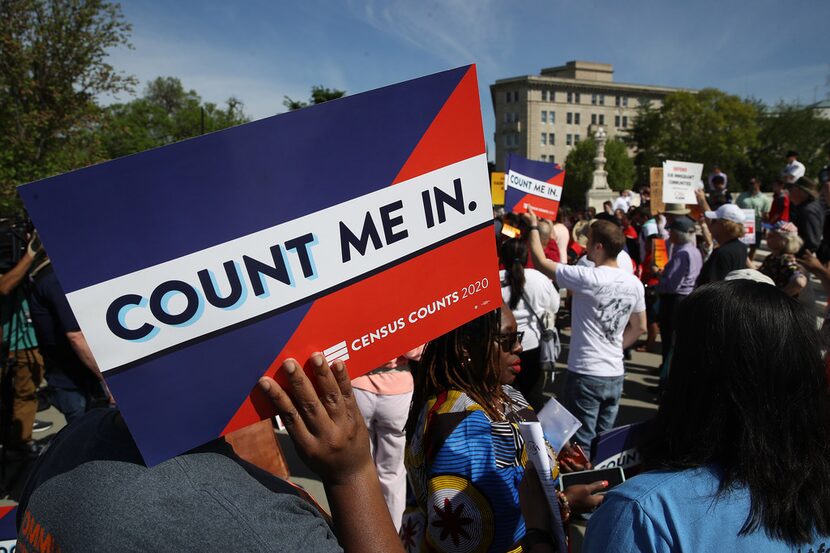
[465, 458]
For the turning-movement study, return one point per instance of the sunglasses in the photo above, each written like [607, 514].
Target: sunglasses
[509, 339]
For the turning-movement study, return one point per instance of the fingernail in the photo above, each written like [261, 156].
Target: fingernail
[339, 366]
[289, 366]
[317, 360]
[264, 384]
[605, 483]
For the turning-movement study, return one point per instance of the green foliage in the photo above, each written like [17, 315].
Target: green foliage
[579, 169]
[319, 94]
[710, 127]
[52, 66]
[166, 113]
[783, 128]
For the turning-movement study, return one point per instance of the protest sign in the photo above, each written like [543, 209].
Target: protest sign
[619, 447]
[196, 268]
[558, 424]
[680, 178]
[533, 183]
[656, 186]
[749, 227]
[8, 529]
[497, 187]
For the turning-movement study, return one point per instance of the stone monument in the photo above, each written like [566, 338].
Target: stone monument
[599, 191]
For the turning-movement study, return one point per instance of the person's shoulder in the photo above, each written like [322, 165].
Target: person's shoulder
[534, 277]
[659, 487]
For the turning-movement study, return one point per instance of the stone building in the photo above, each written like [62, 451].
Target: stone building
[543, 116]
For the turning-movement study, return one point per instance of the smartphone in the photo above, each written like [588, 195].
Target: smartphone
[575, 455]
[614, 475]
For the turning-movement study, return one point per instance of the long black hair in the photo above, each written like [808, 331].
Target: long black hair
[748, 393]
[464, 359]
[513, 256]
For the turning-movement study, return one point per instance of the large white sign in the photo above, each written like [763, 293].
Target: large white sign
[679, 181]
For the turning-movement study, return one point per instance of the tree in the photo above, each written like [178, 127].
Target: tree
[709, 127]
[319, 94]
[579, 169]
[788, 127]
[52, 66]
[166, 113]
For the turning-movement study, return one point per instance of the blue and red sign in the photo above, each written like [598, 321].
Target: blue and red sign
[535, 183]
[360, 227]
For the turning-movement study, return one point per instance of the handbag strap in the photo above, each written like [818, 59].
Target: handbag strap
[529, 308]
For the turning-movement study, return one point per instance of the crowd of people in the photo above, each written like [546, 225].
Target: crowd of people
[425, 454]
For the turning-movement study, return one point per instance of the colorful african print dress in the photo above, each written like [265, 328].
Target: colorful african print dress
[464, 471]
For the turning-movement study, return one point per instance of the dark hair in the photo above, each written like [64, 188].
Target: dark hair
[608, 234]
[792, 153]
[718, 179]
[748, 393]
[513, 256]
[464, 359]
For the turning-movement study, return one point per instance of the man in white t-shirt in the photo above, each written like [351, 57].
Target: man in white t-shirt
[794, 169]
[607, 315]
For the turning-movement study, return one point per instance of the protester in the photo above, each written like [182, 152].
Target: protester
[624, 260]
[622, 202]
[739, 459]
[807, 213]
[607, 315]
[383, 396]
[794, 169]
[645, 196]
[780, 209]
[551, 248]
[720, 195]
[23, 363]
[752, 198]
[727, 228]
[781, 265]
[209, 499]
[562, 237]
[75, 382]
[678, 278]
[716, 172]
[530, 295]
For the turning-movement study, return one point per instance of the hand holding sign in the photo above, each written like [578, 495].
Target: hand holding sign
[332, 440]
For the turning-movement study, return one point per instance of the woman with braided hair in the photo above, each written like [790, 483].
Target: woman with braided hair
[465, 458]
[529, 294]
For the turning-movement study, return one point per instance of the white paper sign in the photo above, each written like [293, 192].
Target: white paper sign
[749, 227]
[558, 424]
[680, 178]
[537, 453]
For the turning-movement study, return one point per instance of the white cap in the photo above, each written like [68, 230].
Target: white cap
[728, 212]
[749, 274]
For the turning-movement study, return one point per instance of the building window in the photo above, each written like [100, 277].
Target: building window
[568, 139]
[551, 139]
[576, 119]
[593, 99]
[552, 158]
[617, 101]
[570, 118]
[551, 117]
[625, 121]
[593, 118]
[576, 97]
[544, 139]
[552, 95]
[509, 97]
[617, 121]
[601, 119]
[576, 139]
[602, 99]
[544, 157]
[625, 101]
[570, 97]
[506, 116]
[544, 116]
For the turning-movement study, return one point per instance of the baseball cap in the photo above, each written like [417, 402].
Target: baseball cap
[682, 224]
[728, 212]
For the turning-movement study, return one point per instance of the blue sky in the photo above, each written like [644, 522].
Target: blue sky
[259, 50]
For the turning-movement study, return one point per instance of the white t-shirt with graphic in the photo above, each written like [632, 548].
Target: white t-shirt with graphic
[603, 300]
